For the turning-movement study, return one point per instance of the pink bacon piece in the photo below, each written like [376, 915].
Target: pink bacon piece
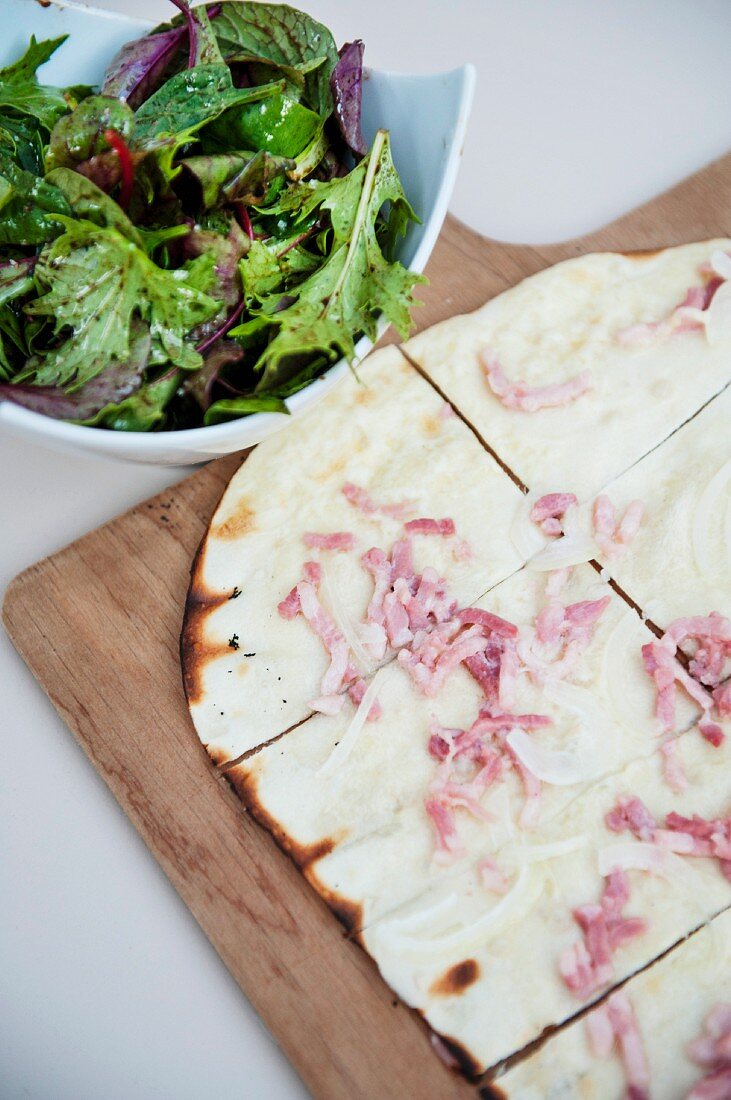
[487, 725]
[711, 1051]
[488, 623]
[360, 498]
[570, 628]
[615, 1021]
[661, 663]
[686, 836]
[449, 846]
[519, 395]
[722, 699]
[549, 510]
[631, 814]
[613, 537]
[303, 600]
[430, 660]
[672, 767]
[356, 691]
[335, 540]
[712, 637]
[683, 318]
[587, 966]
[444, 528]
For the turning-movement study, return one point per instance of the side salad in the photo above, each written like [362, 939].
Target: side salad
[204, 235]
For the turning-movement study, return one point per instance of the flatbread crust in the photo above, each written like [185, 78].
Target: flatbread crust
[564, 320]
[671, 1000]
[391, 434]
[360, 828]
[679, 563]
[515, 990]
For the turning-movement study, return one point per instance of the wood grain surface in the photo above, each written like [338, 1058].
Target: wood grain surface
[98, 625]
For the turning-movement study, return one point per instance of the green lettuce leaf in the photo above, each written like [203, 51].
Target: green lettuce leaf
[16, 281]
[97, 281]
[20, 90]
[80, 135]
[142, 411]
[235, 177]
[279, 124]
[231, 408]
[276, 34]
[188, 101]
[28, 204]
[344, 296]
[89, 202]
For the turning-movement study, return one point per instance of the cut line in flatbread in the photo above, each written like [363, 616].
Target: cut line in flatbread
[670, 999]
[568, 319]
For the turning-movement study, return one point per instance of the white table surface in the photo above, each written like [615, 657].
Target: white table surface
[107, 985]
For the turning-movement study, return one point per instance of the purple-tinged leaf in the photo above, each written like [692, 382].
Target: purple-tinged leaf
[136, 71]
[182, 5]
[200, 385]
[227, 252]
[346, 85]
[116, 381]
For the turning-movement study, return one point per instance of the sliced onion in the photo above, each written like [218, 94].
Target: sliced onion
[637, 855]
[721, 264]
[718, 315]
[539, 853]
[344, 622]
[621, 650]
[715, 500]
[583, 703]
[427, 918]
[507, 912]
[571, 549]
[525, 535]
[343, 749]
[554, 766]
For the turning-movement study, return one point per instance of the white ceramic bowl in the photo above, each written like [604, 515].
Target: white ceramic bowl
[427, 117]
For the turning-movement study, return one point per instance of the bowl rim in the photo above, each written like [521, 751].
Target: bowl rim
[207, 437]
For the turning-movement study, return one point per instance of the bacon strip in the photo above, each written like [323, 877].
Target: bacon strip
[613, 537]
[549, 510]
[686, 836]
[685, 317]
[712, 1052]
[361, 499]
[616, 1020]
[519, 395]
[303, 600]
[335, 540]
[587, 966]
[711, 636]
[666, 670]
[442, 527]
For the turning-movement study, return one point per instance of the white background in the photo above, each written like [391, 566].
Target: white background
[107, 986]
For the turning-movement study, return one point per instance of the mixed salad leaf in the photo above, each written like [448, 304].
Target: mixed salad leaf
[201, 237]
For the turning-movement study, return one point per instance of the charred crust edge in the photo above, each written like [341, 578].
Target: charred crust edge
[464, 1060]
[199, 603]
[491, 1091]
[244, 784]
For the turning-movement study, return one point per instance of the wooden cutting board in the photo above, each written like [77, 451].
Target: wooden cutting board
[98, 624]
